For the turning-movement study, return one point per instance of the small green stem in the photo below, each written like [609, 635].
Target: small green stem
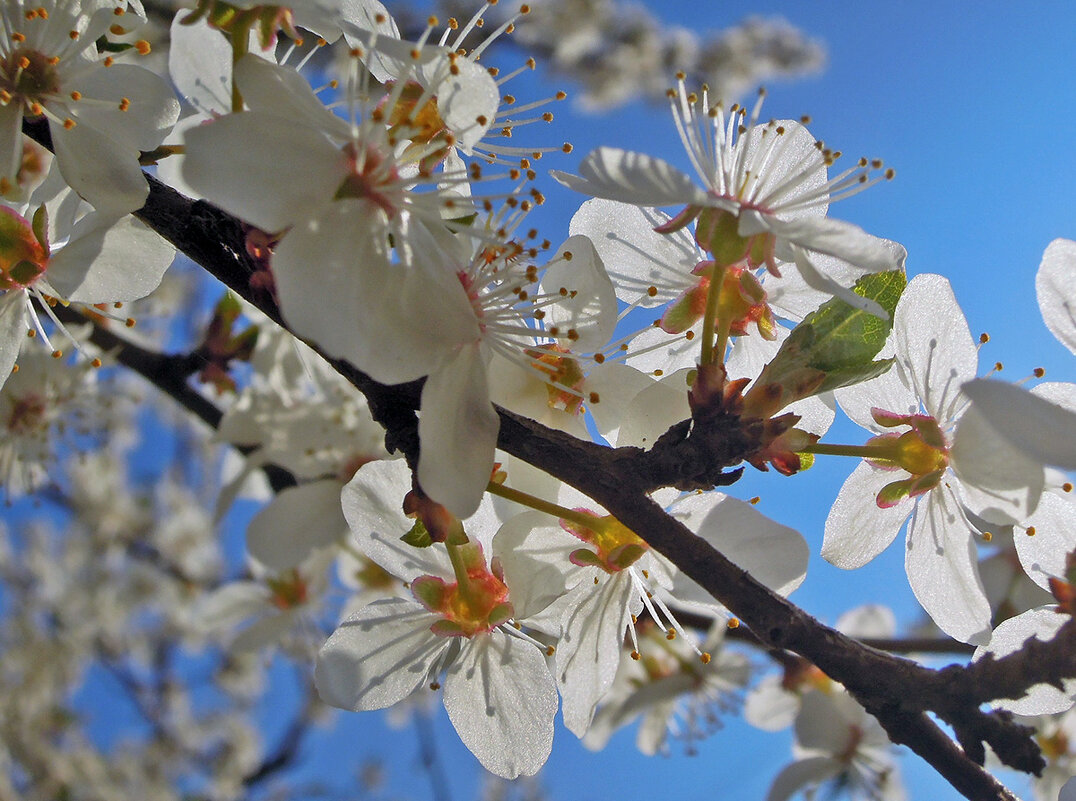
[459, 569]
[583, 519]
[240, 47]
[865, 451]
[713, 297]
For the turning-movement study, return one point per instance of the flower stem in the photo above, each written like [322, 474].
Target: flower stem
[865, 451]
[240, 47]
[520, 497]
[711, 355]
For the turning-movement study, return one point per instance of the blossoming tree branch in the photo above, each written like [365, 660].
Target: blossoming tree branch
[512, 453]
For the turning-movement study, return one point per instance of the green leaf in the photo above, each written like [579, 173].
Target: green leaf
[833, 347]
[418, 536]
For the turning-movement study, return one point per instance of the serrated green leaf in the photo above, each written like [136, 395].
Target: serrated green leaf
[837, 340]
[418, 536]
[844, 336]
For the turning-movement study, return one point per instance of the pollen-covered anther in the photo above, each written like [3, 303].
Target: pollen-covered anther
[1066, 487]
[705, 657]
[1039, 372]
[594, 397]
[18, 37]
[636, 656]
[125, 104]
[733, 623]
[550, 650]
[72, 35]
[68, 123]
[1030, 531]
[987, 536]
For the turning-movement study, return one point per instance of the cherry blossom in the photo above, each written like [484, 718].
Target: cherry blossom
[498, 692]
[761, 196]
[920, 472]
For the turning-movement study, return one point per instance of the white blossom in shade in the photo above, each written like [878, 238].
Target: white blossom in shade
[673, 692]
[100, 114]
[451, 95]
[498, 691]
[1056, 737]
[839, 744]
[271, 609]
[40, 400]
[760, 197]
[616, 576]
[774, 703]
[919, 472]
[1033, 425]
[89, 260]
[1041, 623]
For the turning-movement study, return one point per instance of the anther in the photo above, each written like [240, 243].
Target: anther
[733, 623]
[705, 658]
[635, 655]
[1031, 531]
[1039, 372]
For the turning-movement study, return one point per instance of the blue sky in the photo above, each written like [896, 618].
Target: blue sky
[973, 106]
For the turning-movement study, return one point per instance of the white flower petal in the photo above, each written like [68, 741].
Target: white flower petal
[372, 503]
[934, 344]
[292, 172]
[152, 108]
[816, 280]
[465, 94]
[941, 565]
[378, 656]
[999, 483]
[1042, 554]
[773, 554]
[588, 304]
[297, 520]
[1042, 624]
[857, 529]
[1056, 290]
[269, 88]
[103, 171]
[501, 698]
[631, 177]
[589, 650]
[845, 241]
[13, 327]
[769, 706]
[807, 772]
[108, 260]
[635, 255]
[457, 430]
[1039, 428]
[653, 410]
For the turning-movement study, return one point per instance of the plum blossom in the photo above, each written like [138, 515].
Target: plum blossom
[838, 743]
[498, 691]
[919, 472]
[675, 694]
[760, 197]
[617, 575]
[100, 114]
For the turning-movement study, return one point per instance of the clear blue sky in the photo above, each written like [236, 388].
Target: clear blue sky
[973, 104]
